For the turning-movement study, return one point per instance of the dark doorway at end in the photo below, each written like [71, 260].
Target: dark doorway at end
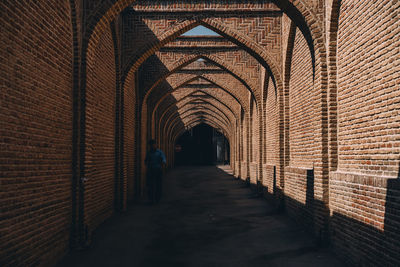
[202, 145]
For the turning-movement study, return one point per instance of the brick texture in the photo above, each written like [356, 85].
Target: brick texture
[36, 132]
[100, 133]
[306, 92]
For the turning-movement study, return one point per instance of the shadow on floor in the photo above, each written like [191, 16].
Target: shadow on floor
[206, 218]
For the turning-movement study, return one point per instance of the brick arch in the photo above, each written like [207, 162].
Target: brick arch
[242, 102]
[181, 63]
[285, 98]
[210, 121]
[196, 122]
[221, 60]
[190, 100]
[230, 119]
[187, 108]
[174, 118]
[186, 98]
[298, 11]
[204, 112]
[210, 116]
[167, 132]
[332, 34]
[310, 26]
[249, 45]
[206, 104]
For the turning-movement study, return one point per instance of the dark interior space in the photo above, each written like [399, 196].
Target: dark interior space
[202, 145]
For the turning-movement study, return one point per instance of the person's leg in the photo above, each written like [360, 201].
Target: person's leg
[150, 185]
[159, 186]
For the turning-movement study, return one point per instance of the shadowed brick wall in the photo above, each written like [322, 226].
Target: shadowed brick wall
[364, 190]
[271, 142]
[301, 117]
[100, 132]
[36, 131]
[255, 149]
[129, 136]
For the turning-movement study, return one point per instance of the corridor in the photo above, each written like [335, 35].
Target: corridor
[300, 98]
[206, 218]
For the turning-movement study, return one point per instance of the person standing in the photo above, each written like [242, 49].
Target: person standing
[155, 161]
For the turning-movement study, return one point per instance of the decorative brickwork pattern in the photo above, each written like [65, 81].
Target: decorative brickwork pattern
[306, 92]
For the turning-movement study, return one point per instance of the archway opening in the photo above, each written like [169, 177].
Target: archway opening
[202, 145]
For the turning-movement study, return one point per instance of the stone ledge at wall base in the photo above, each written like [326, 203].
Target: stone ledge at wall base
[253, 172]
[237, 169]
[299, 196]
[244, 171]
[365, 210]
[269, 178]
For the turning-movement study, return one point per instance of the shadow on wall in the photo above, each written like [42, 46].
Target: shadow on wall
[354, 239]
[362, 244]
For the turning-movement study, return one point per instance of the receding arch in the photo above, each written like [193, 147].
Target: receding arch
[197, 121]
[189, 107]
[200, 98]
[241, 102]
[249, 45]
[180, 87]
[212, 115]
[193, 102]
[192, 58]
[204, 111]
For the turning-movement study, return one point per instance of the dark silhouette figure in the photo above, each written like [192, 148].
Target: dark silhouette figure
[155, 162]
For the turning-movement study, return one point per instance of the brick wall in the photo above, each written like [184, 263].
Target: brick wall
[301, 133]
[268, 178]
[253, 172]
[272, 123]
[365, 219]
[129, 136]
[364, 190]
[299, 193]
[100, 132]
[271, 142]
[255, 148]
[301, 102]
[36, 131]
[368, 88]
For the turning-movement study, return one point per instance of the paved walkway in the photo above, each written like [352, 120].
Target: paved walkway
[206, 218]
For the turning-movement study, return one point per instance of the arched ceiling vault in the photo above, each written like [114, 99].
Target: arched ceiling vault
[191, 108]
[170, 34]
[301, 12]
[205, 111]
[191, 124]
[173, 79]
[192, 105]
[191, 96]
[240, 96]
[185, 101]
[239, 64]
[183, 122]
[304, 16]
